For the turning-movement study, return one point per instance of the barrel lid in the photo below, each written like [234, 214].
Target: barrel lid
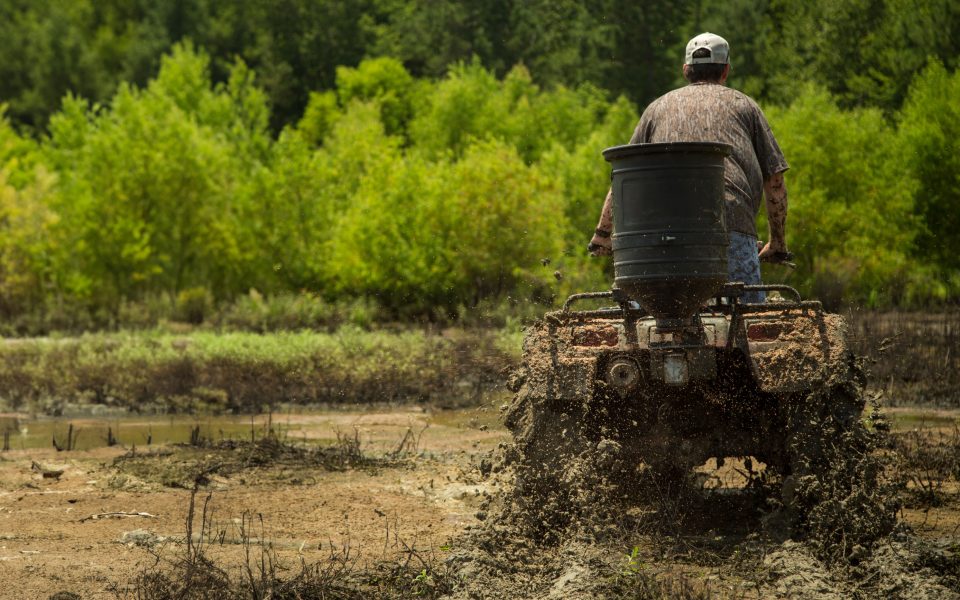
[628, 150]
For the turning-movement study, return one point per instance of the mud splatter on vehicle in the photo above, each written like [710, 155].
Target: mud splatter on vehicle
[617, 410]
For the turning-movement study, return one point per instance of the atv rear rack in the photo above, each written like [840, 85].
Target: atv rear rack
[727, 300]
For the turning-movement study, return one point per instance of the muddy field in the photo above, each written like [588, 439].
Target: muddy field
[88, 521]
[395, 503]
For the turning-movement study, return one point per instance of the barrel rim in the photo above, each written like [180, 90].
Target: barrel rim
[628, 150]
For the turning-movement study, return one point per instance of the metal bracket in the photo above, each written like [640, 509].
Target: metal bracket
[584, 296]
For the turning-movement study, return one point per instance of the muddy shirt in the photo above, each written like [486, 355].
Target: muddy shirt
[713, 112]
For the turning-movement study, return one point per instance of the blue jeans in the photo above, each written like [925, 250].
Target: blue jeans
[744, 265]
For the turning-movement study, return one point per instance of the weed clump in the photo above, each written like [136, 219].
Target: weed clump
[193, 574]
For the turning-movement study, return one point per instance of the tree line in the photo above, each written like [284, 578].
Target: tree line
[429, 194]
[864, 52]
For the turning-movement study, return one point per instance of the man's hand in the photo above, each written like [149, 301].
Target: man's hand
[600, 244]
[771, 249]
[776, 254]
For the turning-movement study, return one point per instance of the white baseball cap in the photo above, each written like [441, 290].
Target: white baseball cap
[718, 48]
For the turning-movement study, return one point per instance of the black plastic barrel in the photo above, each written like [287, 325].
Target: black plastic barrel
[669, 239]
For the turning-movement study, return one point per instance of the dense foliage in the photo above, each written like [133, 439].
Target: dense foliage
[188, 151]
[862, 51]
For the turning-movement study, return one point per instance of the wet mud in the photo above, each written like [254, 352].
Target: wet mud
[582, 515]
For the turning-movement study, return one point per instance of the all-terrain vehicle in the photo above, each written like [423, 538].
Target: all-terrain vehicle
[680, 368]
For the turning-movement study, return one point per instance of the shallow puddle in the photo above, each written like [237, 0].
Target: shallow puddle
[22, 432]
[376, 428]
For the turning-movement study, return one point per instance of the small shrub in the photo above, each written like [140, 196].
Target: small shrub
[146, 313]
[928, 459]
[193, 305]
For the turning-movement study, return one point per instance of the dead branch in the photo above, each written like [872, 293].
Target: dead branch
[117, 515]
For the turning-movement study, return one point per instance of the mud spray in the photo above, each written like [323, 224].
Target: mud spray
[581, 516]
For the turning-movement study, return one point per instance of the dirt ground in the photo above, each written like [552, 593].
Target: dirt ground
[94, 526]
[50, 542]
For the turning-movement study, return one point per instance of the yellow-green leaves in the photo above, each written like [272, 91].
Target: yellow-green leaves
[851, 219]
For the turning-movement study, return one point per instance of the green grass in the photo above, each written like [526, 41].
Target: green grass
[246, 372]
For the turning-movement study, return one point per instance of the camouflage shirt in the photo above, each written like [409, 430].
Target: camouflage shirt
[712, 112]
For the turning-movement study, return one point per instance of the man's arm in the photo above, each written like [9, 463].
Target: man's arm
[601, 244]
[775, 193]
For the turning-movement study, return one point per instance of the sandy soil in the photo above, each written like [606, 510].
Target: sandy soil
[49, 543]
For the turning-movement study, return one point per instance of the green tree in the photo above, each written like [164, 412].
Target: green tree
[650, 41]
[563, 41]
[472, 104]
[26, 244]
[318, 119]
[929, 129]
[851, 221]
[149, 186]
[864, 52]
[384, 81]
[430, 35]
[430, 234]
[301, 199]
[52, 47]
[583, 174]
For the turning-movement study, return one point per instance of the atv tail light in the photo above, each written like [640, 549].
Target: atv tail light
[764, 332]
[623, 375]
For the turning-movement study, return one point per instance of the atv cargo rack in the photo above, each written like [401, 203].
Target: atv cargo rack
[727, 300]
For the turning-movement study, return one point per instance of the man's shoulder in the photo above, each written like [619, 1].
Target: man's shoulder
[740, 96]
[703, 92]
[680, 96]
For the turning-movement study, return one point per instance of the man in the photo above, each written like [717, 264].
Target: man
[707, 110]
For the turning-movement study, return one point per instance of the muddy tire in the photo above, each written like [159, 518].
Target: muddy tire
[568, 476]
[547, 441]
[832, 492]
